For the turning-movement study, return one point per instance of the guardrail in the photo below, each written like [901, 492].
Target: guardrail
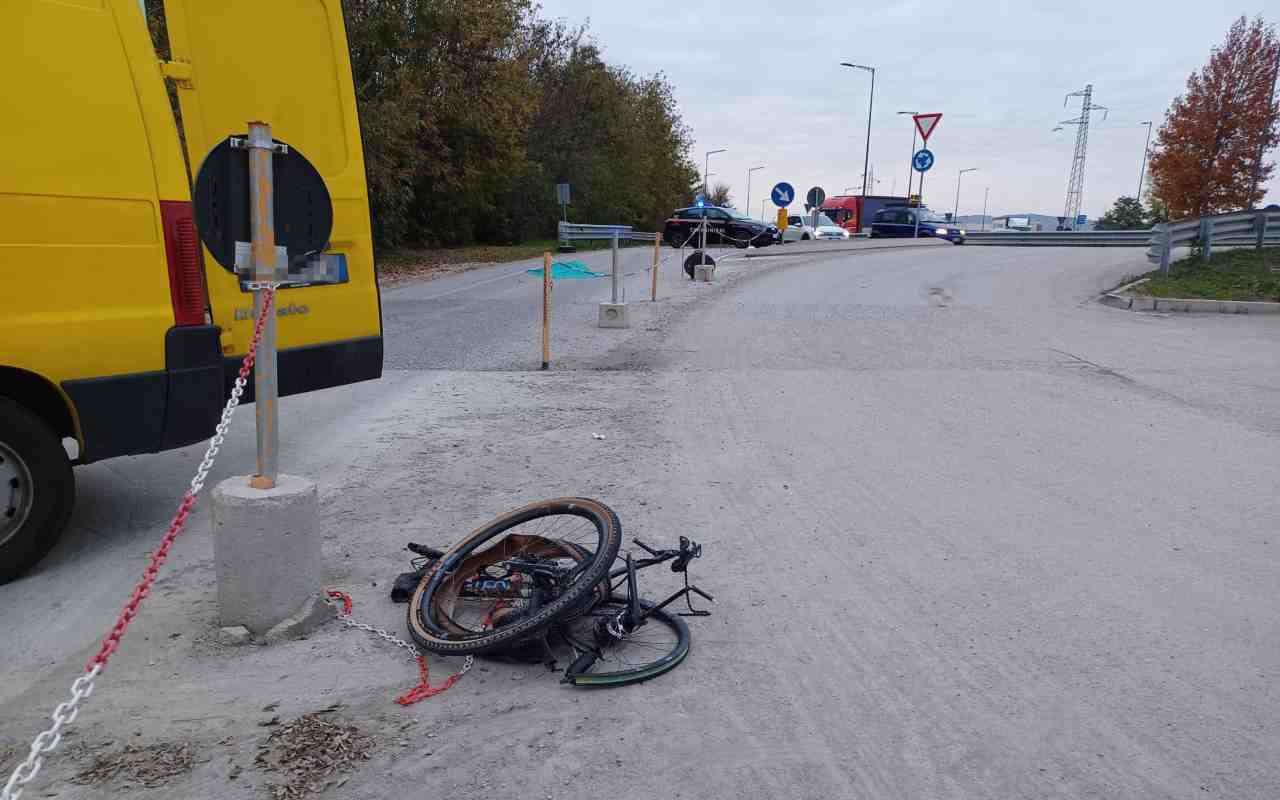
[1060, 238]
[572, 232]
[1238, 229]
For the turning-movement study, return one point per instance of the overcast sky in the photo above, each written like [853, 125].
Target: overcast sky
[762, 79]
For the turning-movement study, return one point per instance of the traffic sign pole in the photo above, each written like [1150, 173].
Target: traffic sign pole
[266, 386]
[919, 206]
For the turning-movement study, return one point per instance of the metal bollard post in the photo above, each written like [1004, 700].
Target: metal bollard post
[265, 378]
[614, 246]
[704, 237]
[1260, 229]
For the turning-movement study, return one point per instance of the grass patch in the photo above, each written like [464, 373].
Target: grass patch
[1244, 274]
[408, 262]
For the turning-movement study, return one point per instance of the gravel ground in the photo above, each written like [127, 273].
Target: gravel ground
[970, 535]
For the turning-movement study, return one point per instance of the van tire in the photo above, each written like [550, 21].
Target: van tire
[52, 491]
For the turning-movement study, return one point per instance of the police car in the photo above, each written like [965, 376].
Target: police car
[724, 226]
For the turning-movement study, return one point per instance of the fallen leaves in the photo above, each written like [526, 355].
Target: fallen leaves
[311, 752]
[148, 765]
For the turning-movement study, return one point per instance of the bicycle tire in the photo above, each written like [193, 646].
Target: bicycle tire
[636, 673]
[430, 634]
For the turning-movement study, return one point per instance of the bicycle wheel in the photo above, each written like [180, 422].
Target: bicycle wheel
[605, 659]
[512, 578]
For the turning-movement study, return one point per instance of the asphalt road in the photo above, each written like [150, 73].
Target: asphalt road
[970, 533]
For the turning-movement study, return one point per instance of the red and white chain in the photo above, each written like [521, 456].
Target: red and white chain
[66, 712]
[424, 689]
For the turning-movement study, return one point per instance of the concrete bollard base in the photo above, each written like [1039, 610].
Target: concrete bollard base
[704, 273]
[267, 554]
[614, 315]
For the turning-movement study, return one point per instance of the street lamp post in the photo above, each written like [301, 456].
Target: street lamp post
[913, 149]
[866, 159]
[753, 169]
[956, 213]
[1146, 148]
[985, 196]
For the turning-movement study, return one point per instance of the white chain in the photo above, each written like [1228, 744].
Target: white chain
[220, 433]
[66, 713]
[48, 740]
[383, 633]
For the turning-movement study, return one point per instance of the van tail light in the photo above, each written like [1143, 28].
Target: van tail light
[182, 249]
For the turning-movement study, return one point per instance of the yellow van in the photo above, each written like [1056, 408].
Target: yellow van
[117, 329]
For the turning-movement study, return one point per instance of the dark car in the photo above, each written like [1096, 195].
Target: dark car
[724, 226]
[901, 221]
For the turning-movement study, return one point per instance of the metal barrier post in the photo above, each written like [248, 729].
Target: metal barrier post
[546, 310]
[1206, 238]
[657, 245]
[266, 388]
[1166, 247]
[1260, 229]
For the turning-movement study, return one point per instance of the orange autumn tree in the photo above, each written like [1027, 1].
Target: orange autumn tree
[1210, 154]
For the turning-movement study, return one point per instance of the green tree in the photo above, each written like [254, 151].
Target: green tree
[720, 196]
[1126, 215]
[1209, 155]
[471, 112]
[1157, 211]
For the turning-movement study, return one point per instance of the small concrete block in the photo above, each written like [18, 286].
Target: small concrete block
[704, 273]
[1117, 301]
[1141, 303]
[234, 636]
[614, 315]
[314, 613]
[266, 550]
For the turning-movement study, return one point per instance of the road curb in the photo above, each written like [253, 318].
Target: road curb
[1127, 302]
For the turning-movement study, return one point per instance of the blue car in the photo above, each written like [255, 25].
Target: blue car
[901, 221]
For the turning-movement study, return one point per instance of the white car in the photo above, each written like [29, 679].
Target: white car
[800, 228]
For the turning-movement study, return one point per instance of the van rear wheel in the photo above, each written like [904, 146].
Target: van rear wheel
[37, 489]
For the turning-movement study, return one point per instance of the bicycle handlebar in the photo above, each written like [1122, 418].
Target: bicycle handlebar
[649, 550]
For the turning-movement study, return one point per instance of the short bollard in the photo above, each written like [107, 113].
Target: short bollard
[267, 557]
[614, 313]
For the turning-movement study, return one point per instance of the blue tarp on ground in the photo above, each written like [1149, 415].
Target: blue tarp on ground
[568, 270]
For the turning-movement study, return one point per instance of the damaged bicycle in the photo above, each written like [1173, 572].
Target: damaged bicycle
[546, 583]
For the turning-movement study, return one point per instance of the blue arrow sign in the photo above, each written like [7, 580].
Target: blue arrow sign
[922, 160]
[783, 195]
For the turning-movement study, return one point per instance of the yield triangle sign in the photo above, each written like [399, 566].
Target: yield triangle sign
[925, 123]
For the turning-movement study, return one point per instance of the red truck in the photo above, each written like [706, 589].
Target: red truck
[853, 212]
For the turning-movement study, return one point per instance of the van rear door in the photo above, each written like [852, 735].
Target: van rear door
[285, 62]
